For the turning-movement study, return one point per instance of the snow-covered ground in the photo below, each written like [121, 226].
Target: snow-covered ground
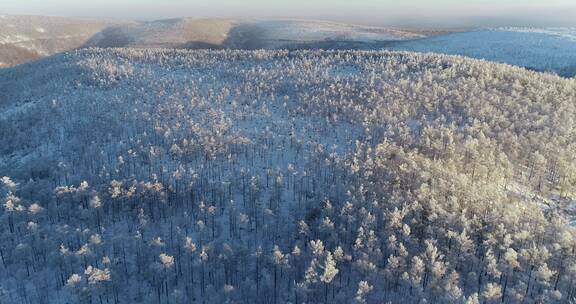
[540, 49]
[562, 32]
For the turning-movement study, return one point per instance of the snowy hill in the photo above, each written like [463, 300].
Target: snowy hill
[178, 176]
[540, 49]
[171, 33]
[24, 38]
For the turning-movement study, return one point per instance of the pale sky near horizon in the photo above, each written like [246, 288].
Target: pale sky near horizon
[366, 11]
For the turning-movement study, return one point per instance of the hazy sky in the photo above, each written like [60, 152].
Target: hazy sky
[369, 11]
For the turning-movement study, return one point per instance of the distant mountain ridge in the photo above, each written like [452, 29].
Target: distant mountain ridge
[25, 38]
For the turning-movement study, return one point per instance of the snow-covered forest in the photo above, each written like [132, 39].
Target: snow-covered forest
[174, 176]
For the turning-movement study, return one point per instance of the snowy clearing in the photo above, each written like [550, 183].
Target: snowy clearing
[546, 50]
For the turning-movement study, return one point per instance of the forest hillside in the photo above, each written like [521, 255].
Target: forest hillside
[177, 176]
